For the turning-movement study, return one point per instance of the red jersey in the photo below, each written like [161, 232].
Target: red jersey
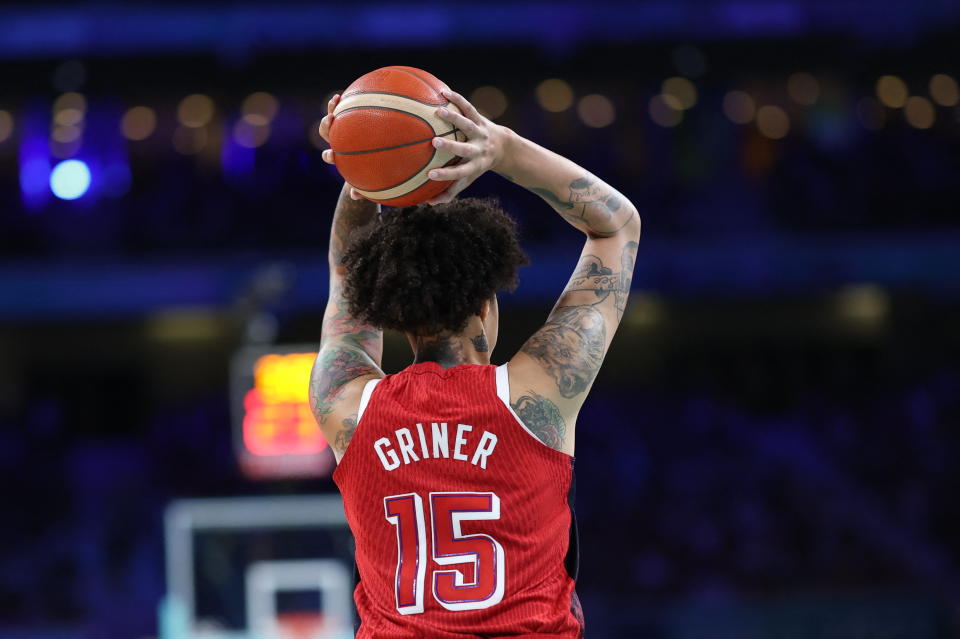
[462, 517]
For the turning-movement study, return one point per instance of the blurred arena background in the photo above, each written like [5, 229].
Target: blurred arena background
[771, 451]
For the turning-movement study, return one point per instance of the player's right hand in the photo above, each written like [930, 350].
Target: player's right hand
[325, 124]
[480, 153]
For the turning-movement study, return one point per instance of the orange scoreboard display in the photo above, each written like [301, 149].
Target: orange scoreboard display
[275, 433]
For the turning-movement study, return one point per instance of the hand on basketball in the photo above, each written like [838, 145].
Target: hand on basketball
[480, 152]
[325, 123]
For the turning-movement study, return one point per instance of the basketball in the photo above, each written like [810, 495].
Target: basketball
[382, 135]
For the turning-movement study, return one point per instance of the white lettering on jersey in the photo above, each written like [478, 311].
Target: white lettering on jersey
[440, 446]
[401, 450]
[461, 441]
[405, 439]
[423, 442]
[488, 441]
[379, 446]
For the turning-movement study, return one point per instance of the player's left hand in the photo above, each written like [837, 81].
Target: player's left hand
[480, 152]
[324, 131]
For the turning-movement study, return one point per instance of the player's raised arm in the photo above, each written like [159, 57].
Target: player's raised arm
[350, 349]
[552, 373]
[554, 370]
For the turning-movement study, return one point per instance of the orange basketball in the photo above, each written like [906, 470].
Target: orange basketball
[382, 135]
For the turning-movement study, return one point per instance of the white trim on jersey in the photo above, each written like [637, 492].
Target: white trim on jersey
[365, 396]
[503, 392]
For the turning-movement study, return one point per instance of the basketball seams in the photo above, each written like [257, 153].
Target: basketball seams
[416, 181]
[395, 102]
[452, 161]
[413, 177]
[399, 95]
[410, 72]
[396, 110]
[396, 146]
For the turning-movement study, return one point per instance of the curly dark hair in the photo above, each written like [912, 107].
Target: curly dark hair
[426, 269]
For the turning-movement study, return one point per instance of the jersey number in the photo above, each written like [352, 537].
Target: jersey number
[478, 583]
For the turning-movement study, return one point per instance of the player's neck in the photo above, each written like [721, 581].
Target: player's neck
[452, 349]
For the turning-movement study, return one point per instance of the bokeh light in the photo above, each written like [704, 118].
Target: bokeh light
[195, 110]
[555, 95]
[138, 123]
[68, 117]
[490, 101]
[663, 113]
[803, 88]
[739, 107]
[70, 101]
[679, 92]
[189, 140]
[66, 134]
[773, 122]
[259, 108]
[892, 91]
[919, 112]
[35, 175]
[596, 111]
[70, 179]
[863, 303]
[249, 135]
[6, 125]
[944, 90]
[65, 150]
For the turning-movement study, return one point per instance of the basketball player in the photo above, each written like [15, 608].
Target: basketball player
[456, 474]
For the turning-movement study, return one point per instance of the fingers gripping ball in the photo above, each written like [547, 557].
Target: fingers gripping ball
[382, 135]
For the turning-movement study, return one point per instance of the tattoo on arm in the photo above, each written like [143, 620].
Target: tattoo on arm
[351, 329]
[335, 366]
[592, 276]
[349, 216]
[572, 343]
[343, 437]
[570, 346]
[543, 419]
[338, 324]
[591, 205]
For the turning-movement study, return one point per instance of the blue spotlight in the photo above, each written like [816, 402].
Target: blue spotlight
[70, 179]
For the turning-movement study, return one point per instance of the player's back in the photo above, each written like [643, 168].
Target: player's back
[462, 517]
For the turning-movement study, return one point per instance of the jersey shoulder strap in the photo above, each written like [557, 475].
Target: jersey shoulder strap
[365, 396]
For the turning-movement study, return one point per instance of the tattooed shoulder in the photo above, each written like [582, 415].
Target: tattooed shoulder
[542, 417]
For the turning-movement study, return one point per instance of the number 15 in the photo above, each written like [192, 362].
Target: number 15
[449, 547]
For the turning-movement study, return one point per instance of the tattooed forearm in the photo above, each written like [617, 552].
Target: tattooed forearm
[334, 367]
[543, 419]
[590, 205]
[344, 435]
[339, 323]
[349, 216]
[592, 276]
[570, 346]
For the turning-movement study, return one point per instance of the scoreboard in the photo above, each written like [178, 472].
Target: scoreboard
[274, 432]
